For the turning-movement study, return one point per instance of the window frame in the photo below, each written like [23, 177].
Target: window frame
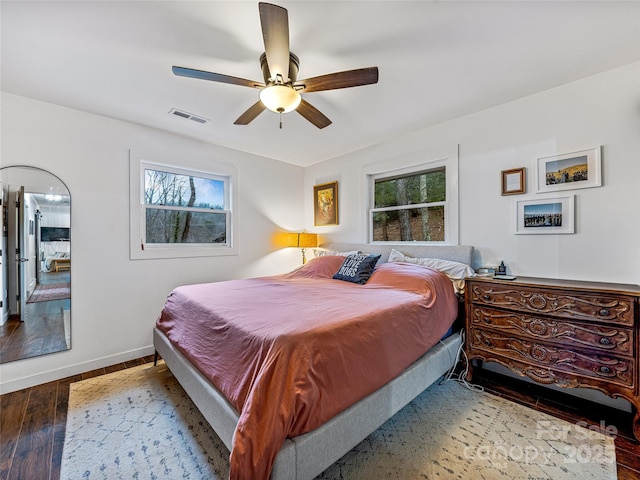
[139, 249]
[413, 166]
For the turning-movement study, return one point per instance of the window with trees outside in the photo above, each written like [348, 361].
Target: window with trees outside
[184, 208]
[181, 211]
[411, 207]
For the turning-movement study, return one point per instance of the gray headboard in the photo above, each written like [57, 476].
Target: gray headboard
[457, 253]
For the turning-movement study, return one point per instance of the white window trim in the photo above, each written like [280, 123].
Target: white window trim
[138, 251]
[414, 164]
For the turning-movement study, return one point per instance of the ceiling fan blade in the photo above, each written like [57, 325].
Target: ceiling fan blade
[215, 77]
[334, 81]
[252, 112]
[275, 33]
[312, 114]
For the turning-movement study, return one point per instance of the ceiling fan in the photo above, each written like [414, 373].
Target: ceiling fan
[281, 89]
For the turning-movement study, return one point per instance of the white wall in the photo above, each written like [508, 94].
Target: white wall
[600, 110]
[115, 301]
[54, 216]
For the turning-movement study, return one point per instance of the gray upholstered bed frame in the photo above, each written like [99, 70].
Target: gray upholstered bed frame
[306, 456]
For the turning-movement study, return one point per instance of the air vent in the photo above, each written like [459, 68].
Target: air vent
[188, 116]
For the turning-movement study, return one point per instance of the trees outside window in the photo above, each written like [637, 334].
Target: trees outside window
[409, 207]
[184, 208]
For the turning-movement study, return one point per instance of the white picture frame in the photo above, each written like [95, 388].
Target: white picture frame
[545, 216]
[569, 171]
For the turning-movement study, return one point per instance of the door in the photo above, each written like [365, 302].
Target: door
[37, 259]
[3, 301]
[21, 253]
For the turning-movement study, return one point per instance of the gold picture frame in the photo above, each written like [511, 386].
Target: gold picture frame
[325, 204]
[514, 181]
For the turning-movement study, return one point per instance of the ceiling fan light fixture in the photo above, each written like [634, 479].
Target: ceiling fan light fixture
[280, 98]
[280, 92]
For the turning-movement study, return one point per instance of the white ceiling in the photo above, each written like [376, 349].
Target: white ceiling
[438, 60]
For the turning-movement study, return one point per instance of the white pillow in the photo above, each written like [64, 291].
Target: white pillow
[323, 253]
[456, 271]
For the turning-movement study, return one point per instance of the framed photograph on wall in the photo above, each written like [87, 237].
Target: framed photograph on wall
[514, 181]
[569, 171]
[545, 216]
[325, 204]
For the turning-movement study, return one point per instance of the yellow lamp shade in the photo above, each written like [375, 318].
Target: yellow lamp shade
[302, 240]
[293, 239]
[308, 240]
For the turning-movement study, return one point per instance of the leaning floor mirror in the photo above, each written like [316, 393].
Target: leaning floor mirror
[35, 282]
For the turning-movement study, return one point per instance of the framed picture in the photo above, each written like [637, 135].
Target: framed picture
[325, 204]
[569, 171]
[551, 215]
[514, 181]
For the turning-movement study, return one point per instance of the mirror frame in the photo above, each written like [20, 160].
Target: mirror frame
[18, 344]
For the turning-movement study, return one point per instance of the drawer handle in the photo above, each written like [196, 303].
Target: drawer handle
[487, 342]
[604, 312]
[486, 296]
[605, 341]
[605, 369]
[486, 320]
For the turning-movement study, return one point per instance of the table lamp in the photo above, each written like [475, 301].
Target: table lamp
[302, 241]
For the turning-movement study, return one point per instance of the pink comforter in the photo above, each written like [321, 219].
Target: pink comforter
[292, 351]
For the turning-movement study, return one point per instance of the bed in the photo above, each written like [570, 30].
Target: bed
[56, 262]
[300, 400]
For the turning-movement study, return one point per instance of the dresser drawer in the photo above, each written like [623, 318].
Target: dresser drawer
[613, 309]
[617, 340]
[599, 366]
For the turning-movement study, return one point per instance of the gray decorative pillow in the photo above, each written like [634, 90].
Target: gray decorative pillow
[357, 268]
[323, 253]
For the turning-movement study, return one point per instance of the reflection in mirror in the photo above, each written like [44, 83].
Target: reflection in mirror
[35, 282]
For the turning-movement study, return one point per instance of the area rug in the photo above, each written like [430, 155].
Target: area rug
[138, 423]
[54, 291]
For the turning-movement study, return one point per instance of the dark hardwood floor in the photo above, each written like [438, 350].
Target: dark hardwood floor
[32, 426]
[32, 422]
[43, 330]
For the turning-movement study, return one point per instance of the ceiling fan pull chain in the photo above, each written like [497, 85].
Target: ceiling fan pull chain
[280, 120]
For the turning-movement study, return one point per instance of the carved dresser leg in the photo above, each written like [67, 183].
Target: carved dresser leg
[636, 422]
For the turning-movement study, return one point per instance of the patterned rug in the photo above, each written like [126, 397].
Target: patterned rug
[54, 291]
[139, 423]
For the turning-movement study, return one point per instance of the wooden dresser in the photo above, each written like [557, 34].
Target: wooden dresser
[562, 332]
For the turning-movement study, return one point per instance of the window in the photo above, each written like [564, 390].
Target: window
[417, 203]
[184, 207]
[410, 208]
[179, 212]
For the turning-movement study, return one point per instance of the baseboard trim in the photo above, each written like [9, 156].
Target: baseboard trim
[75, 369]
